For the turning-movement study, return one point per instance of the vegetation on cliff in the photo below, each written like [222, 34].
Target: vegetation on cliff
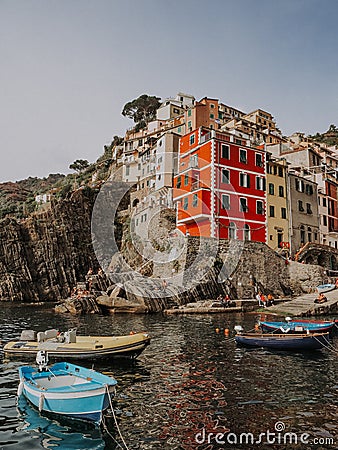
[330, 137]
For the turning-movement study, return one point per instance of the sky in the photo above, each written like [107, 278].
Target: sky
[69, 66]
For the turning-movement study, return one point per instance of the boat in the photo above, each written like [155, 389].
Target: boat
[286, 341]
[66, 390]
[70, 346]
[325, 288]
[287, 326]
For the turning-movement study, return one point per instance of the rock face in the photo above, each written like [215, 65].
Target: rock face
[42, 257]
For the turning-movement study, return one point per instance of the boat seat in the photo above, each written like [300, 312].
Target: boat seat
[51, 334]
[41, 337]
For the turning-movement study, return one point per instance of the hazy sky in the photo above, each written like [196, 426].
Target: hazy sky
[69, 66]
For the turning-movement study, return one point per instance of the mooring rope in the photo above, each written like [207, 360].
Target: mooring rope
[117, 425]
[329, 347]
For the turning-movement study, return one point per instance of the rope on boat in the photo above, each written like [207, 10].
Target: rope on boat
[116, 423]
[329, 346]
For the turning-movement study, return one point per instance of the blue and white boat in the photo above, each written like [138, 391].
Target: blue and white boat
[67, 390]
[292, 326]
[325, 288]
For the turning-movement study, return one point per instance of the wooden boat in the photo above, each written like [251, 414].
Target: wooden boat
[313, 326]
[67, 390]
[286, 341]
[325, 288]
[68, 345]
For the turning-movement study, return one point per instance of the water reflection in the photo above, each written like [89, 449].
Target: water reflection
[190, 378]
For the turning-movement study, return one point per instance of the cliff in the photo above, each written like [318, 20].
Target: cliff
[42, 257]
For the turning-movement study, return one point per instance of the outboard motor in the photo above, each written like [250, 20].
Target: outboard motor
[238, 329]
[42, 360]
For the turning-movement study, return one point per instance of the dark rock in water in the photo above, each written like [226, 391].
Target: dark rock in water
[79, 306]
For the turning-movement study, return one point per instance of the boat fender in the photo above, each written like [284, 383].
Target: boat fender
[20, 388]
[41, 401]
[131, 333]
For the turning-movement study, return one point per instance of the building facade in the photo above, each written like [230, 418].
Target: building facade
[219, 189]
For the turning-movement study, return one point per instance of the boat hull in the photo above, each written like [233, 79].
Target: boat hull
[313, 341]
[300, 326]
[84, 397]
[85, 348]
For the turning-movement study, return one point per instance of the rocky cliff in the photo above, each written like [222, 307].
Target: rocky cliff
[42, 257]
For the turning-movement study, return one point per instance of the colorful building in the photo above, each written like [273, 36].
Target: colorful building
[219, 189]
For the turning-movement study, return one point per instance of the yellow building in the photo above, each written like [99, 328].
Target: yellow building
[277, 205]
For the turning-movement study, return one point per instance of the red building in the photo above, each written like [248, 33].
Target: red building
[220, 187]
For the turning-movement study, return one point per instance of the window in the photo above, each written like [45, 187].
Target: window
[244, 180]
[179, 130]
[309, 189]
[283, 213]
[243, 206]
[225, 176]
[271, 211]
[271, 189]
[212, 116]
[185, 203]
[139, 166]
[148, 182]
[176, 111]
[246, 233]
[325, 221]
[242, 156]
[324, 202]
[232, 230]
[192, 139]
[127, 170]
[280, 172]
[308, 208]
[302, 235]
[140, 142]
[225, 201]
[259, 160]
[178, 183]
[259, 207]
[225, 151]
[212, 105]
[159, 160]
[189, 114]
[186, 179]
[189, 124]
[300, 206]
[159, 177]
[260, 183]
[281, 191]
[194, 200]
[309, 234]
[299, 185]
[193, 161]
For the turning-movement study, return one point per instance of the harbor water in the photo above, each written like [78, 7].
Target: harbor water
[192, 388]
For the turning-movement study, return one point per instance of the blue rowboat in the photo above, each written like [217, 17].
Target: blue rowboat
[67, 390]
[312, 341]
[313, 326]
[325, 288]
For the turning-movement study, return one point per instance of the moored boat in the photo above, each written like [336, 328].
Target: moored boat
[69, 345]
[67, 390]
[325, 288]
[286, 341]
[287, 326]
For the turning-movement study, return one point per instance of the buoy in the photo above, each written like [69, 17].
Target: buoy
[41, 400]
[226, 331]
[20, 388]
[217, 330]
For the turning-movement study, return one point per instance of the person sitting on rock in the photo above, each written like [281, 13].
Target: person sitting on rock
[321, 298]
[270, 300]
[260, 299]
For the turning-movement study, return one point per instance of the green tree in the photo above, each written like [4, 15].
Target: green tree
[142, 109]
[79, 165]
